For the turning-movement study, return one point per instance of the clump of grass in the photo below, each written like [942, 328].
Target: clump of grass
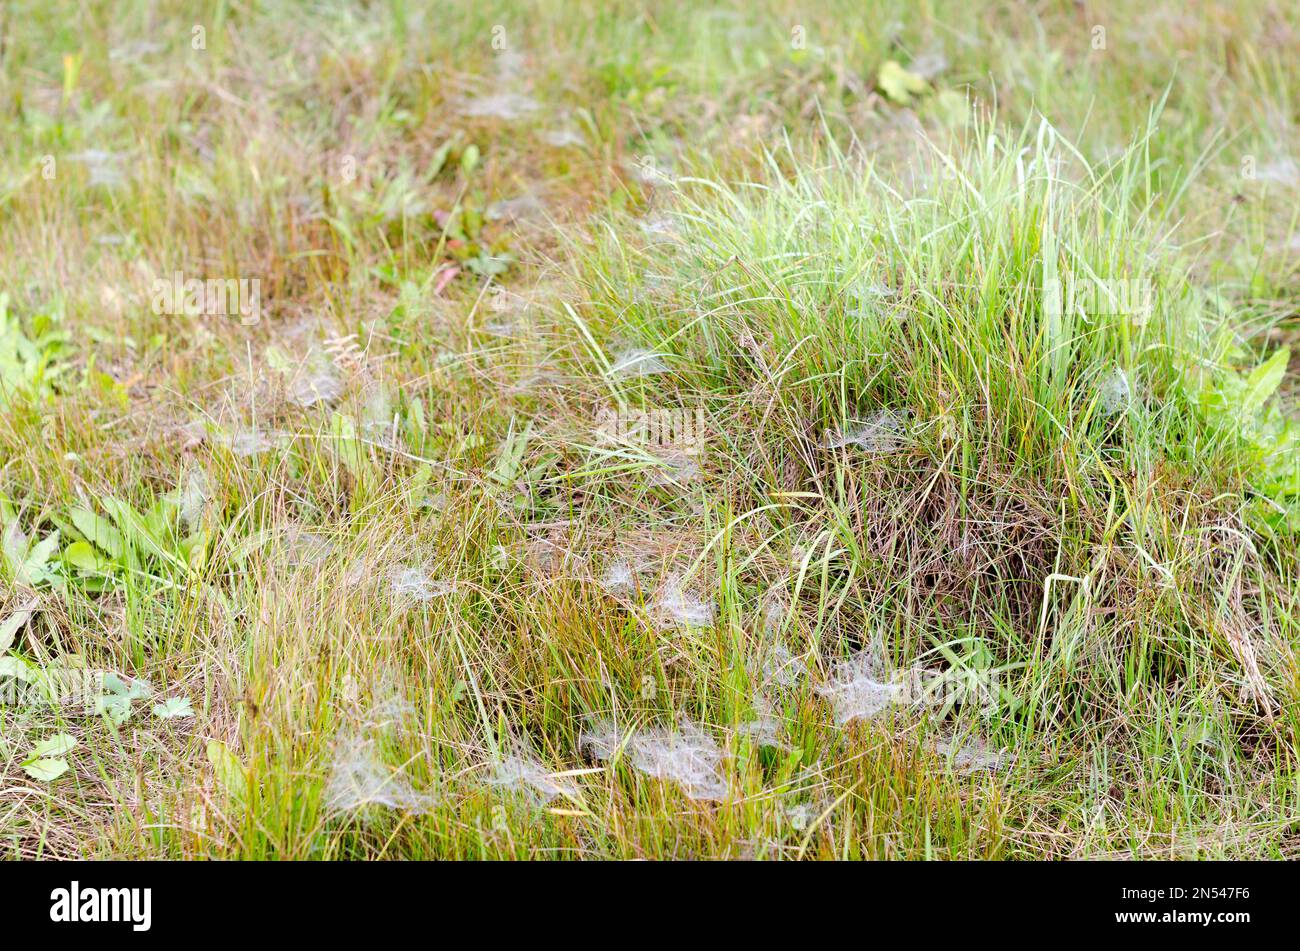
[1104, 551]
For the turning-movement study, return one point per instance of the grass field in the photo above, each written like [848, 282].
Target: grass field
[639, 430]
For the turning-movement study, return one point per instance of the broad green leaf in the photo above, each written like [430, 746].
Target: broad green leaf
[950, 108]
[469, 443]
[159, 518]
[417, 486]
[490, 265]
[133, 689]
[174, 707]
[230, 773]
[348, 447]
[511, 456]
[469, 159]
[135, 527]
[100, 531]
[415, 417]
[1264, 381]
[13, 623]
[45, 770]
[898, 85]
[57, 745]
[116, 703]
[15, 667]
[85, 556]
[40, 553]
[377, 414]
[278, 360]
[14, 543]
[439, 159]
[116, 709]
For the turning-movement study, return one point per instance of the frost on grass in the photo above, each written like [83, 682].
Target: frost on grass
[302, 546]
[378, 421]
[563, 137]
[102, 168]
[780, 667]
[637, 363]
[675, 468]
[248, 442]
[131, 52]
[500, 300]
[767, 727]
[1285, 171]
[886, 431]
[414, 584]
[660, 228]
[316, 382]
[1115, 393]
[971, 756]
[509, 66]
[800, 815]
[674, 605]
[777, 670]
[858, 689]
[776, 665]
[686, 756]
[619, 578]
[650, 170]
[524, 773]
[550, 552]
[405, 584]
[191, 434]
[509, 323]
[503, 105]
[360, 779]
[929, 64]
[512, 312]
[194, 493]
[526, 207]
[865, 298]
